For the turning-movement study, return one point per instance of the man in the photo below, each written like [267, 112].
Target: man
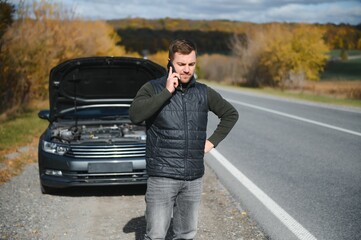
[175, 108]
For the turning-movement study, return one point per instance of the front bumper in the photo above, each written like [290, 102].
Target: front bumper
[72, 172]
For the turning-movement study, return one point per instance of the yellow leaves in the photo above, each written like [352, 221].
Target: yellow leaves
[294, 50]
[43, 37]
[342, 36]
[359, 43]
[160, 57]
[278, 53]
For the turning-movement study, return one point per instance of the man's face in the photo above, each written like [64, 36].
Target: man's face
[185, 65]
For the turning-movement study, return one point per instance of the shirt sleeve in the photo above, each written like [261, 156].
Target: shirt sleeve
[146, 103]
[227, 114]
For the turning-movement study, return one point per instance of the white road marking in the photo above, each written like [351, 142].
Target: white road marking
[296, 117]
[295, 227]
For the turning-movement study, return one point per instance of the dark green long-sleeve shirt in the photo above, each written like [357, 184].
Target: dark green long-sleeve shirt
[146, 103]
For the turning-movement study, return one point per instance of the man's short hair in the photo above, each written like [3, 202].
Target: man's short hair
[182, 46]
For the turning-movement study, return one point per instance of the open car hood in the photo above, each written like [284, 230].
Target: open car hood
[98, 80]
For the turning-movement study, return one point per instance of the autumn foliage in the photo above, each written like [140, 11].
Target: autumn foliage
[45, 34]
[31, 46]
[157, 31]
[280, 55]
[292, 54]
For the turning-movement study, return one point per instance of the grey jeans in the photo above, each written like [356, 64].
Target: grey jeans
[165, 196]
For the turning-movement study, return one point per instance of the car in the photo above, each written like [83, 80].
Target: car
[90, 140]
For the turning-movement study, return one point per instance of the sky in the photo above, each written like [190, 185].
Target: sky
[257, 11]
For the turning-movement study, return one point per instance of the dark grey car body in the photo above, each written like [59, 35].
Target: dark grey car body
[90, 140]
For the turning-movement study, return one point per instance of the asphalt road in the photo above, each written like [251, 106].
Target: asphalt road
[305, 158]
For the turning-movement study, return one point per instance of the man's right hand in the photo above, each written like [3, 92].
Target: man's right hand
[172, 80]
[208, 146]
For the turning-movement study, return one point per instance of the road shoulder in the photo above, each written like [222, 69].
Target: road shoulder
[108, 213]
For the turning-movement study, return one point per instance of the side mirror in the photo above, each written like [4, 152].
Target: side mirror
[44, 114]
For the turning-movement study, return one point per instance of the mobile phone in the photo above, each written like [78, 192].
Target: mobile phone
[170, 64]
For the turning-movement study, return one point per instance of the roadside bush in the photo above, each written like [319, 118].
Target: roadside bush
[281, 55]
[220, 68]
[160, 57]
[7, 11]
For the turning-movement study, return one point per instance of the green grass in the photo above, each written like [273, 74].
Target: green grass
[356, 60]
[337, 52]
[353, 52]
[20, 130]
[343, 70]
[312, 97]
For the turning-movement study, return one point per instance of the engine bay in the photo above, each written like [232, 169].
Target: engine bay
[98, 133]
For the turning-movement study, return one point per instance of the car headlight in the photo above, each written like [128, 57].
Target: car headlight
[54, 148]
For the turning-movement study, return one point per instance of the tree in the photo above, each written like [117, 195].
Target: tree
[342, 36]
[43, 36]
[7, 11]
[248, 49]
[343, 55]
[278, 53]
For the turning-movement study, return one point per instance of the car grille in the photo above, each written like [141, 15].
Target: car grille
[137, 176]
[113, 151]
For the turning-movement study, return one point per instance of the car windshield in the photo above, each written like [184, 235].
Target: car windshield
[97, 112]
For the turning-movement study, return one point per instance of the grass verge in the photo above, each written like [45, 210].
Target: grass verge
[16, 132]
[14, 166]
[317, 95]
[313, 97]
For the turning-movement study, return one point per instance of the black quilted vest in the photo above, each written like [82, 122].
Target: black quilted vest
[176, 134]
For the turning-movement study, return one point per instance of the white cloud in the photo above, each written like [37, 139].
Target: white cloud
[321, 11]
